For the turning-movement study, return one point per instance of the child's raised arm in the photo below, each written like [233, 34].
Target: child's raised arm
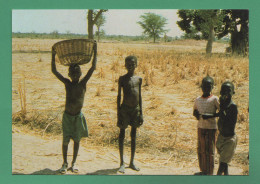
[93, 67]
[54, 70]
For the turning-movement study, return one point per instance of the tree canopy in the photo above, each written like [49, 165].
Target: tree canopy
[236, 23]
[201, 24]
[153, 25]
[99, 23]
[208, 24]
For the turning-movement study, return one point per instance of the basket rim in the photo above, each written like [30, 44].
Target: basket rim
[71, 40]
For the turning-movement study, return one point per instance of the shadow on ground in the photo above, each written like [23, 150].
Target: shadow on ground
[41, 172]
[56, 172]
[104, 172]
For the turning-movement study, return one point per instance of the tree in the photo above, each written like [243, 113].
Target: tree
[193, 34]
[55, 34]
[203, 21]
[99, 23]
[219, 23]
[236, 23]
[92, 18]
[101, 33]
[153, 25]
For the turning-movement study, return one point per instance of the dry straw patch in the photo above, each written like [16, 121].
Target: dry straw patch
[172, 75]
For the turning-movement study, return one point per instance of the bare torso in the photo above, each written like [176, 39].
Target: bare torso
[131, 87]
[75, 93]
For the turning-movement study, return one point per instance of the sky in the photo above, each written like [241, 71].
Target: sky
[118, 21]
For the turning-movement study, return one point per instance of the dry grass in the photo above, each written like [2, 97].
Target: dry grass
[172, 74]
[22, 95]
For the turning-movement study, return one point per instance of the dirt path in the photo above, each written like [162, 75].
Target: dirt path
[33, 154]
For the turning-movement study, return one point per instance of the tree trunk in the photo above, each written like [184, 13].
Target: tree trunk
[239, 41]
[98, 33]
[210, 40]
[90, 24]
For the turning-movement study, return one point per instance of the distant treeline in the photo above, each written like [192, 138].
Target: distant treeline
[121, 38]
[56, 35]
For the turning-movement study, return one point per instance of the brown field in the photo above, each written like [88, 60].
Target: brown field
[171, 74]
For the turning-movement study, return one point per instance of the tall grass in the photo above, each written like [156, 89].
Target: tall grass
[22, 95]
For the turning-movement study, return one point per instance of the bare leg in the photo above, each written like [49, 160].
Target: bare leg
[64, 153]
[74, 167]
[75, 151]
[64, 167]
[133, 146]
[121, 150]
[226, 169]
[221, 168]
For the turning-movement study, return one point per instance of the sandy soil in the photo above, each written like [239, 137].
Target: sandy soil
[167, 108]
[33, 154]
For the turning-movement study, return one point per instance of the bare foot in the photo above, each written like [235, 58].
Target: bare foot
[132, 166]
[74, 168]
[122, 168]
[64, 168]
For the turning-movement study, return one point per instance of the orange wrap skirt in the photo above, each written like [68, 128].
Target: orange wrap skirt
[206, 150]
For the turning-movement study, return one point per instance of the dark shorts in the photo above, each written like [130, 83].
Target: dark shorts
[129, 116]
[74, 127]
[226, 147]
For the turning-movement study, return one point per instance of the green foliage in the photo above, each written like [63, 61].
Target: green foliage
[55, 34]
[236, 23]
[49, 36]
[99, 23]
[101, 20]
[100, 34]
[200, 21]
[186, 20]
[92, 18]
[153, 25]
[77, 36]
[192, 34]
[232, 19]
[205, 22]
[230, 22]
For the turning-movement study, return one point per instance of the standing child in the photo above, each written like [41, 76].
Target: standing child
[205, 111]
[130, 111]
[227, 139]
[73, 122]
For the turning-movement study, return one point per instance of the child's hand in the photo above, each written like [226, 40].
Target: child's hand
[141, 120]
[196, 114]
[222, 101]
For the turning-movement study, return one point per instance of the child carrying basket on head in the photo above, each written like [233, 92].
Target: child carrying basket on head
[73, 122]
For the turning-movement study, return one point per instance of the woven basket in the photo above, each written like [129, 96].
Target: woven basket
[75, 51]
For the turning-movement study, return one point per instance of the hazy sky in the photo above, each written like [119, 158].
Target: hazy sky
[118, 22]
